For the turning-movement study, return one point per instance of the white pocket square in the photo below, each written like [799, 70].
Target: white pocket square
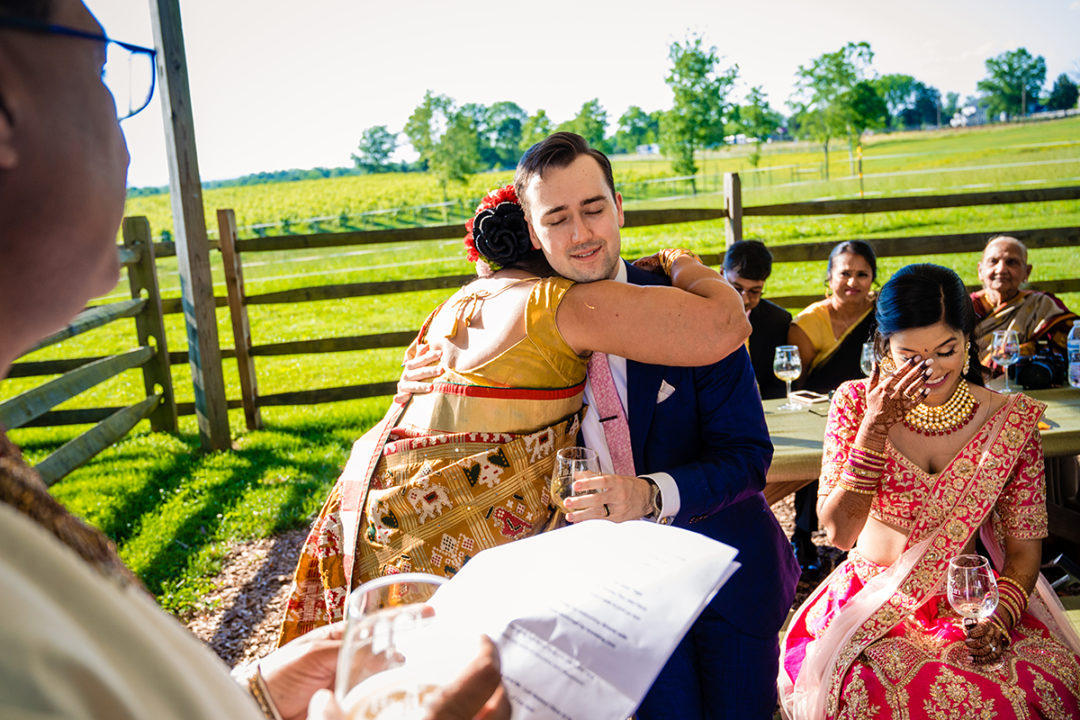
[666, 390]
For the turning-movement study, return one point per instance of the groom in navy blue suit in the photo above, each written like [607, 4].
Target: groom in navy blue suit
[700, 447]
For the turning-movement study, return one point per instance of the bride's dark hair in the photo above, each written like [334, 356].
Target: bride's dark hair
[924, 294]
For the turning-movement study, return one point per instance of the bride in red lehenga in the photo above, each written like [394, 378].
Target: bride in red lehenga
[920, 459]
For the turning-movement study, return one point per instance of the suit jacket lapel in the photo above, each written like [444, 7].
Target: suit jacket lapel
[642, 385]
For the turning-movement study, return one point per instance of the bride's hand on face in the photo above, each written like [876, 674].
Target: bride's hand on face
[889, 398]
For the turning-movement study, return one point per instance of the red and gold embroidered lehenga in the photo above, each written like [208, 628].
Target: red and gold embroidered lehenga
[882, 642]
[450, 473]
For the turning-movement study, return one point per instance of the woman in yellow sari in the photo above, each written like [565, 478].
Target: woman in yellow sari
[830, 334]
[449, 473]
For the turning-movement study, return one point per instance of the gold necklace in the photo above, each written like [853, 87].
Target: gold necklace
[944, 419]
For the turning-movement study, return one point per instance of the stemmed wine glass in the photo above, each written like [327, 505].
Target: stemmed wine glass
[866, 359]
[788, 366]
[395, 655]
[972, 589]
[1005, 350]
[571, 463]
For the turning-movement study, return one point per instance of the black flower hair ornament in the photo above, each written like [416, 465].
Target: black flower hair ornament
[498, 232]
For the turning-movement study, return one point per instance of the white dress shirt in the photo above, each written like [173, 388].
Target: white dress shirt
[593, 432]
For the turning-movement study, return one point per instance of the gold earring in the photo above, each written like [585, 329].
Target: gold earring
[888, 365]
[967, 357]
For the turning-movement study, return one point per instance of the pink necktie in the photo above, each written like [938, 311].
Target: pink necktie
[612, 417]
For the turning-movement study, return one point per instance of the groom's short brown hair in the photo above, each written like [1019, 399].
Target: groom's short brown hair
[557, 150]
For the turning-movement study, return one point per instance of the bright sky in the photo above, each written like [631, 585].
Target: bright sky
[279, 84]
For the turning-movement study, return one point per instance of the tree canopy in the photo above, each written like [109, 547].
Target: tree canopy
[1013, 82]
[636, 128]
[1063, 95]
[377, 145]
[700, 88]
[445, 137]
[590, 123]
[824, 97]
[837, 95]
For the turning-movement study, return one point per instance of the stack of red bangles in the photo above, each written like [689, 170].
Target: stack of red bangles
[863, 470]
[1012, 599]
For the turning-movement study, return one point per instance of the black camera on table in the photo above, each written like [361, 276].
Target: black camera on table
[1046, 368]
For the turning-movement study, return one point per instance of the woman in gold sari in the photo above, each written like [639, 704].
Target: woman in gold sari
[919, 461]
[449, 473]
[830, 334]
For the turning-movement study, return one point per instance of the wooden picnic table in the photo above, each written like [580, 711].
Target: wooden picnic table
[797, 440]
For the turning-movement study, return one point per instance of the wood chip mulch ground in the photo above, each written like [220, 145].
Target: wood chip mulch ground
[241, 617]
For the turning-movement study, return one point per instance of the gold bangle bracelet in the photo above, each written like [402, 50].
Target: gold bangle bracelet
[856, 489]
[256, 685]
[873, 453]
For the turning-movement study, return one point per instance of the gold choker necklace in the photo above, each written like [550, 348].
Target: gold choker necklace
[947, 418]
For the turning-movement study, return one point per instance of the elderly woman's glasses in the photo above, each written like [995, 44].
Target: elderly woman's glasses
[129, 71]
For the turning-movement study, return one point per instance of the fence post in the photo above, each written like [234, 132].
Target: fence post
[189, 221]
[733, 204]
[150, 324]
[234, 284]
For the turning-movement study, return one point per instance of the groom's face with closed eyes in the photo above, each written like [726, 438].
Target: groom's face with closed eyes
[574, 218]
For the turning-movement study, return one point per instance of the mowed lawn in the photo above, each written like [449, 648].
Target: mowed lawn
[173, 510]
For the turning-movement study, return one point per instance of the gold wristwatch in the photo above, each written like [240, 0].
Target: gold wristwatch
[656, 499]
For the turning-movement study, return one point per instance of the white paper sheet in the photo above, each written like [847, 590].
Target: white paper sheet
[586, 616]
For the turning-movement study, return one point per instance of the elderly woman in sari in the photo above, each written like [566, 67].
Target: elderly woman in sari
[919, 460]
[451, 472]
[830, 334]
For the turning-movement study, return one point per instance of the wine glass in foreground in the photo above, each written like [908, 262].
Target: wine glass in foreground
[571, 463]
[1005, 350]
[866, 359]
[971, 588]
[394, 655]
[787, 365]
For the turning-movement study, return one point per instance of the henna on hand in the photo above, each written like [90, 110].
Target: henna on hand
[888, 400]
[985, 642]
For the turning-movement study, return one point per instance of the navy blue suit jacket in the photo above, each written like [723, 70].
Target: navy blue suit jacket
[710, 436]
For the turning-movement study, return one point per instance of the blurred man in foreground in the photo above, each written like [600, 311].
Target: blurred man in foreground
[81, 637]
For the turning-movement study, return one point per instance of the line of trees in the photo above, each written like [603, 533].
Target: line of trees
[838, 96]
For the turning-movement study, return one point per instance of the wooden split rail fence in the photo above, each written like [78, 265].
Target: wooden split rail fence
[35, 407]
[246, 351]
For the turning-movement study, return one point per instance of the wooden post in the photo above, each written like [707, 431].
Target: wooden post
[150, 323]
[733, 203]
[192, 248]
[234, 284]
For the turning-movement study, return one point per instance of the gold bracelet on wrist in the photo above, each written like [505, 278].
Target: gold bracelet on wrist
[862, 449]
[251, 677]
[668, 256]
[854, 483]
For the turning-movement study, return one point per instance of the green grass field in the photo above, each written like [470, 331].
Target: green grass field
[173, 510]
